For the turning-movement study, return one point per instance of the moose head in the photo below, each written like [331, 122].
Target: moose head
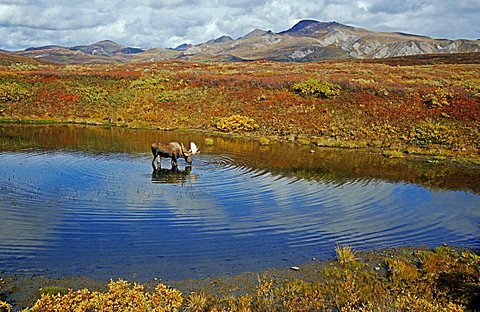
[192, 151]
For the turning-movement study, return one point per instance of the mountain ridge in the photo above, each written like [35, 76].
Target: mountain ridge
[307, 40]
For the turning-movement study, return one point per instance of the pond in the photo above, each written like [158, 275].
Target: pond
[80, 200]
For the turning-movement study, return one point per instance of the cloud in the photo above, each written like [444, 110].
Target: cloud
[53, 17]
[396, 6]
[169, 23]
[439, 19]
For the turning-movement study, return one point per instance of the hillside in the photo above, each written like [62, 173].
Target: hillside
[7, 58]
[306, 41]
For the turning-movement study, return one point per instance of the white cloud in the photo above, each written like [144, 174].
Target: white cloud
[169, 23]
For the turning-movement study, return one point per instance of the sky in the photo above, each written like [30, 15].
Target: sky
[169, 23]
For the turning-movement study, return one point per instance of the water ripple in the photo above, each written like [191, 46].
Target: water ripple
[113, 214]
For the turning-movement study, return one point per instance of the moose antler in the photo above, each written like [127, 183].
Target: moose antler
[193, 148]
[192, 151]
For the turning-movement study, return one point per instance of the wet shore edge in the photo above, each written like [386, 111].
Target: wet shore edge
[22, 291]
[389, 150]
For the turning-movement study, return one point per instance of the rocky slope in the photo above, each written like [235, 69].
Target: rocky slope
[311, 40]
[308, 40]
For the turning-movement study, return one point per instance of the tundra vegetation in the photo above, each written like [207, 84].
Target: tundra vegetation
[407, 107]
[443, 279]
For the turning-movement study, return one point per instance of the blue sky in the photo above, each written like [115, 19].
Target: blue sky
[168, 23]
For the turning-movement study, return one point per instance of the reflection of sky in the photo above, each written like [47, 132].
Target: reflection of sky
[352, 212]
[78, 212]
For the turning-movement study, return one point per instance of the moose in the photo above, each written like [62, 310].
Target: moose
[173, 150]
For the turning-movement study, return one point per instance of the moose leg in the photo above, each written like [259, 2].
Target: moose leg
[154, 153]
[174, 161]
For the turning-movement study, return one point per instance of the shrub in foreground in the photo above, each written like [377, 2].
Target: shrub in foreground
[122, 296]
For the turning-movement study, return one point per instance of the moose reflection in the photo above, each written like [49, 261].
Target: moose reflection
[173, 150]
[173, 175]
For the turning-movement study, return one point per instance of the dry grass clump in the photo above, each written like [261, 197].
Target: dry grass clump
[196, 302]
[345, 254]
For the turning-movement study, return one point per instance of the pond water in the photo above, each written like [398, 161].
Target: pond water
[87, 201]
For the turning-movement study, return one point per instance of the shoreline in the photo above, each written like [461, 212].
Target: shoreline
[429, 154]
[22, 291]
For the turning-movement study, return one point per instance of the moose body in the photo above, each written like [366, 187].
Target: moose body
[173, 150]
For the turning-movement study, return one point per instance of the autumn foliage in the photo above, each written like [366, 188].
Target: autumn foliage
[337, 103]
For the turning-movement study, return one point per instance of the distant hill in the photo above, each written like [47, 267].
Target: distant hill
[306, 41]
[106, 48]
[102, 52]
[8, 58]
[66, 56]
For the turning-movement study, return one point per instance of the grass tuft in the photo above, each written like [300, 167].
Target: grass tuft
[53, 290]
[345, 254]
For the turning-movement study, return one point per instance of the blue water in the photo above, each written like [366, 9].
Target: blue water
[110, 214]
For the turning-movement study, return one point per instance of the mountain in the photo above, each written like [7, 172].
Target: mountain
[221, 39]
[306, 41]
[43, 48]
[106, 48]
[255, 33]
[182, 47]
[311, 40]
[312, 28]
